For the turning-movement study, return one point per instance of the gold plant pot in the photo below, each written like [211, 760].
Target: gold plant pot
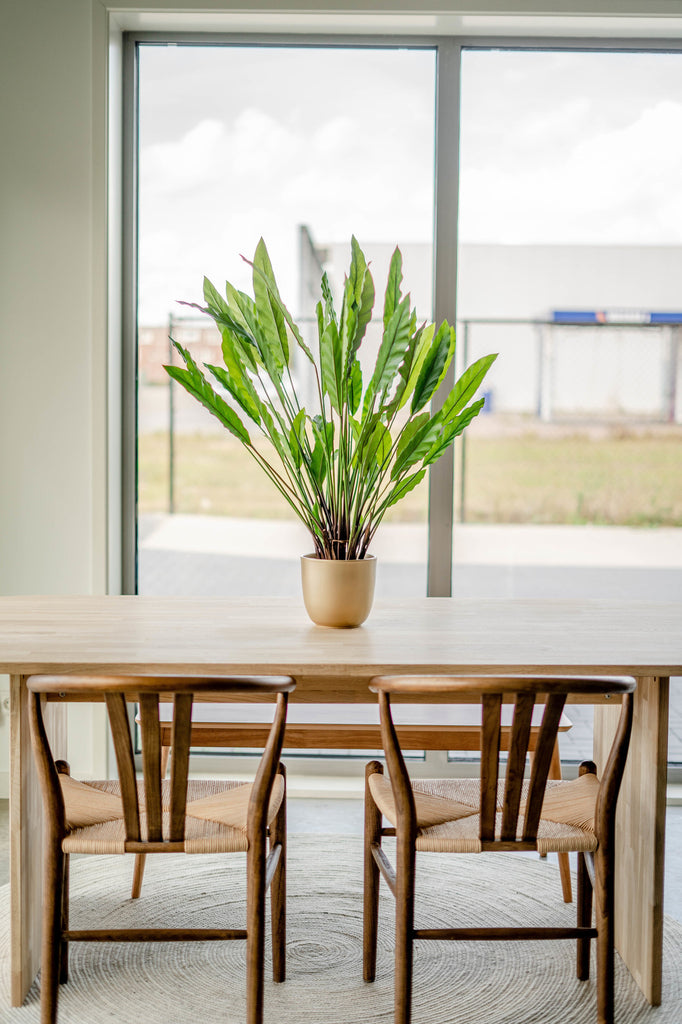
[338, 593]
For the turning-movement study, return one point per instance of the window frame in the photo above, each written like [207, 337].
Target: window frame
[440, 523]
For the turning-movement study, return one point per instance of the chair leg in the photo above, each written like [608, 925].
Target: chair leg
[404, 926]
[138, 875]
[63, 944]
[53, 889]
[604, 891]
[584, 918]
[141, 858]
[372, 878]
[255, 931]
[278, 889]
[563, 858]
[565, 876]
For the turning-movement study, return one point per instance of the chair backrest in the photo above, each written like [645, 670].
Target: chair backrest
[148, 691]
[492, 692]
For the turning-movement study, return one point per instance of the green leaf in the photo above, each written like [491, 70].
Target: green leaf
[416, 439]
[240, 394]
[408, 371]
[451, 430]
[377, 448]
[334, 473]
[434, 365]
[449, 356]
[391, 352]
[326, 290]
[411, 371]
[365, 307]
[224, 318]
[194, 382]
[467, 385]
[409, 430]
[243, 310]
[354, 387]
[233, 357]
[214, 300]
[331, 362]
[321, 323]
[318, 465]
[324, 432]
[274, 347]
[323, 449]
[358, 302]
[283, 316]
[404, 487]
[395, 277]
[297, 437]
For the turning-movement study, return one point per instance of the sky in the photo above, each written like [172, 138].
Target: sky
[239, 142]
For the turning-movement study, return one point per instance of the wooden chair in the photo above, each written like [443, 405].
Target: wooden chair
[335, 727]
[152, 816]
[474, 815]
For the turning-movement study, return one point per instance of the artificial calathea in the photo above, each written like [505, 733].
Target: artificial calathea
[342, 465]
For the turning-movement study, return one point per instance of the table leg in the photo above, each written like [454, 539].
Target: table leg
[26, 822]
[640, 825]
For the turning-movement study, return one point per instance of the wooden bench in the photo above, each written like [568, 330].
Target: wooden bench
[356, 727]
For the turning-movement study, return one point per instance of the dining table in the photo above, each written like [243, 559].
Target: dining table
[262, 635]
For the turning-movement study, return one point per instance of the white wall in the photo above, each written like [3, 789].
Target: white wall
[47, 335]
[593, 370]
[589, 370]
[52, 440]
[53, 270]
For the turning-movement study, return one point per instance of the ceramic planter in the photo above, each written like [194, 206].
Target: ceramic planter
[338, 593]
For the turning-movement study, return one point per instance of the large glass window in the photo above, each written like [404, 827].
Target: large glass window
[568, 254]
[304, 146]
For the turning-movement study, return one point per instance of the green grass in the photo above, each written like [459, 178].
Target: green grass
[622, 479]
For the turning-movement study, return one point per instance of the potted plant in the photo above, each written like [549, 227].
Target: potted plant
[366, 444]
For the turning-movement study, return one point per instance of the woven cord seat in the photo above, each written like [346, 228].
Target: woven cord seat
[152, 815]
[216, 815]
[499, 812]
[448, 819]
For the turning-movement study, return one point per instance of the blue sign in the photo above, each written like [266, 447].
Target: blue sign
[613, 316]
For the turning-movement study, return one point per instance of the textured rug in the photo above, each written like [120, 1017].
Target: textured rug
[454, 983]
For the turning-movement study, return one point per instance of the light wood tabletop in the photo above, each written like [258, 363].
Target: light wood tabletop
[428, 635]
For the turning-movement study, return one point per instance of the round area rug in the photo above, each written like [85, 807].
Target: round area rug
[454, 982]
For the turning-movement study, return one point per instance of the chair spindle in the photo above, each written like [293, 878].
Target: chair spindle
[541, 763]
[516, 764]
[151, 764]
[490, 761]
[123, 747]
[181, 736]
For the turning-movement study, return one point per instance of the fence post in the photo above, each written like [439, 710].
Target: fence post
[673, 408]
[544, 373]
[171, 422]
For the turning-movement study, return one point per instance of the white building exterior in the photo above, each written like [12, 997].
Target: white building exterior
[549, 369]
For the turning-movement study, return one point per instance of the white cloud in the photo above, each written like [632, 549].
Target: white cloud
[208, 197]
[556, 148]
[617, 186]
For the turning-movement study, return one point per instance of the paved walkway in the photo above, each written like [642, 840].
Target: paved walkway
[211, 555]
